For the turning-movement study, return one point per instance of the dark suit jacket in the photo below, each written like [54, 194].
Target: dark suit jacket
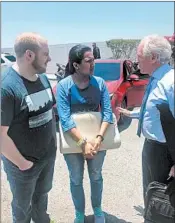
[168, 126]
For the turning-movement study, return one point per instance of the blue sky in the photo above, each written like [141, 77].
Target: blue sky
[74, 22]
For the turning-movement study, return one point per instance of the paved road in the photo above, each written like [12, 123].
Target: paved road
[122, 198]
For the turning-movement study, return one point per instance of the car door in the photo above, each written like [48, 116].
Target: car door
[136, 89]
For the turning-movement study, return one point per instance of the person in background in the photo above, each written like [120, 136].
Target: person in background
[154, 53]
[28, 129]
[96, 51]
[83, 92]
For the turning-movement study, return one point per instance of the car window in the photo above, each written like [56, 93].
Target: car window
[2, 61]
[107, 71]
[11, 58]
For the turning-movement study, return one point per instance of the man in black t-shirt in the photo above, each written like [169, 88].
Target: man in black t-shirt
[28, 129]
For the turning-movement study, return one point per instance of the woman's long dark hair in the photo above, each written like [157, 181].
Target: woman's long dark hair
[67, 73]
[76, 55]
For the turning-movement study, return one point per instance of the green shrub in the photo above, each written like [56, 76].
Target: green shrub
[122, 48]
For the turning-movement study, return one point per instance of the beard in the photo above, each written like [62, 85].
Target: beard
[39, 69]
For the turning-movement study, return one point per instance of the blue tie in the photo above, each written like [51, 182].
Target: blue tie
[145, 98]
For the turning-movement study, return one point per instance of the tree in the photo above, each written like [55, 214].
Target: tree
[122, 48]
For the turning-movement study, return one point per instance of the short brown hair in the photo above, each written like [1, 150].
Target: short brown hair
[28, 41]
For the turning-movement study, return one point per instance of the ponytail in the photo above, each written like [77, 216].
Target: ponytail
[67, 70]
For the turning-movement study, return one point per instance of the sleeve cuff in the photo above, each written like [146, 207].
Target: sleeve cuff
[108, 120]
[65, 129]
[135, 114]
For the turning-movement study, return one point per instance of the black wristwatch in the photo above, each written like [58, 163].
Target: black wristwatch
[102, 138]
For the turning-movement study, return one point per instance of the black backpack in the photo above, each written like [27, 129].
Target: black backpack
[158, 208]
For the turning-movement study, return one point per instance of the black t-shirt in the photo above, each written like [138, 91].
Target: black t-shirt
[27, 108]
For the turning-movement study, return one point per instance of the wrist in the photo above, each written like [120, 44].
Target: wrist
[82, 143]
[22, 164]
[130, 113]
[100, 137]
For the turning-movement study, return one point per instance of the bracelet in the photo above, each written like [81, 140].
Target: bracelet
[102, 138]
[81, 142]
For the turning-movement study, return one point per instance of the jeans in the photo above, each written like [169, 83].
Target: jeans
[156, 163]
[75, 163]
[30, 190]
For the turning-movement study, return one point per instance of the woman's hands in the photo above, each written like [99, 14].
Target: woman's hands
[97, 143]
[88, 151]
[91, 148]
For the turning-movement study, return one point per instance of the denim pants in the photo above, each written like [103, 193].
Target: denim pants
[75, 163]
[156, 163]
[30, 190]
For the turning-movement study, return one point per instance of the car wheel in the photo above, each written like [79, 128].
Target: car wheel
[122, 117]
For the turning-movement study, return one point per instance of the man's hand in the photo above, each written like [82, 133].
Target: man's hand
[26, 165]
[172, 171]
[88, 151]
[124, 111]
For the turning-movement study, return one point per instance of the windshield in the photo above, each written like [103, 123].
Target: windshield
[2, 61]
[10, 57]
[107, 71]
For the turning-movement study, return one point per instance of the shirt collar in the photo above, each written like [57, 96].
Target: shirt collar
[161, 71]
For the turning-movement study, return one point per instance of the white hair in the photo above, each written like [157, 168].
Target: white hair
[158, 45]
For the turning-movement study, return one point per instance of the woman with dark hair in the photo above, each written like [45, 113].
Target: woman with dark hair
[83, 92]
